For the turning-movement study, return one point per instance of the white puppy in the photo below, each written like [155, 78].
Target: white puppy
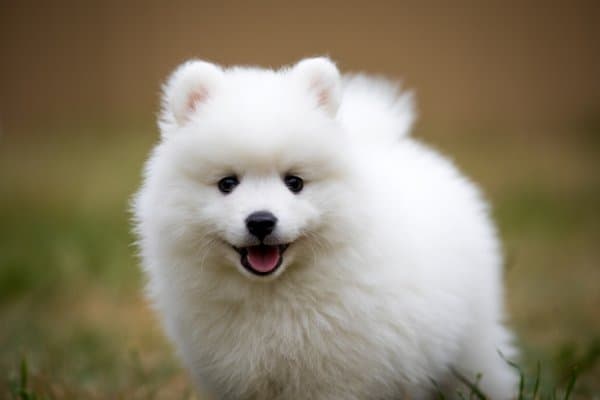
[300, 245]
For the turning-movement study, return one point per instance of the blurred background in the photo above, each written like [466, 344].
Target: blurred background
[509, 90]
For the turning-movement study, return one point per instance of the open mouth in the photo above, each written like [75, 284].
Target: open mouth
[262, 259]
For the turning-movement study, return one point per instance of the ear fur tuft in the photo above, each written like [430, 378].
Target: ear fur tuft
[191, 85]
[322, 79]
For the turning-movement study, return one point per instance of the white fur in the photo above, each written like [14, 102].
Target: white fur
[393, 276]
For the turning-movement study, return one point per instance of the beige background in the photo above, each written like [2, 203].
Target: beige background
[507, 63]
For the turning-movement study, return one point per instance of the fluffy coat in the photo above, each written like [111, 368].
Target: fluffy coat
[392, 281]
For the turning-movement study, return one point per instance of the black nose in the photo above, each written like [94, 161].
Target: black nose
[261, 223]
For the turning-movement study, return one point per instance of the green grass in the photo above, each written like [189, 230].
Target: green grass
[75, 325]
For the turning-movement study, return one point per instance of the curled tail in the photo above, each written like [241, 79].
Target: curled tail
[374, 109]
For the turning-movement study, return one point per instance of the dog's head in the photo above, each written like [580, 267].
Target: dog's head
[251, 170]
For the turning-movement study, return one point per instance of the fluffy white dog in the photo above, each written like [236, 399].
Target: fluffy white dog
[300, 245]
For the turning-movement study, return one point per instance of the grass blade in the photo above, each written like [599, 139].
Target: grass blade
[536, 386]
[472, 386]
[23, 375]
[571, 384]
[521, 375]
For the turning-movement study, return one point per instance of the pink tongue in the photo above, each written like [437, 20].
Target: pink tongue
[263, 258]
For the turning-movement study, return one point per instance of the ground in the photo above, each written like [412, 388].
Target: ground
[71, 304]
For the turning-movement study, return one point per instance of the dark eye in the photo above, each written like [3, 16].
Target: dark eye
[294, 183]
[227, 184]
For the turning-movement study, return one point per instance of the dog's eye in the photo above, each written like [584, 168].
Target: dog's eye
[294, 183]
[227, 184]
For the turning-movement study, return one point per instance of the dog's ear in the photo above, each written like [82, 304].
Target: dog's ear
[322, 79]
[191, 85]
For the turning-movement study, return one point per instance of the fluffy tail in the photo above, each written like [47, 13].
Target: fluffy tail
[375, 109]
